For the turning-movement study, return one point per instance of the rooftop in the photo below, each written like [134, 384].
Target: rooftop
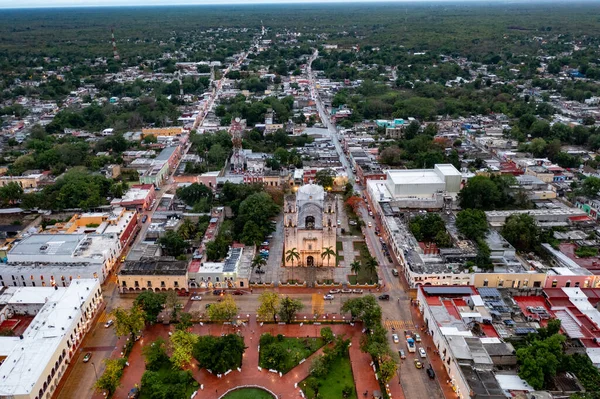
[27, 358]
[154, 267]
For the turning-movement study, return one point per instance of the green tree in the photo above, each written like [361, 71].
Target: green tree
[11, 193]
[269, 305]
[173, 244]
[225, 310]
[288, 309]
[355, 267]
[128, 323]
[151, 303]
[370, 265]
[219, 354]
[521, 231]
[292, 255]
[185, 322]
[480, 192]
[327, 334]
[590, 187]
[155, 354]
[387, 368]
[472, 223]
[364, 308]
[111, 378]
[194, 193]
[328, 253]
[182, 346]
[187, 230]
[325, 178]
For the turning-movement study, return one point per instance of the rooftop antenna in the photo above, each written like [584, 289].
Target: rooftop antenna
[114, 45]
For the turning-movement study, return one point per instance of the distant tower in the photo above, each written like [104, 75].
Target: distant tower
[236, 130]
[114, 45]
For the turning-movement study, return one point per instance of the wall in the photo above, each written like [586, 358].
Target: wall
[508, 280]
[155, 281]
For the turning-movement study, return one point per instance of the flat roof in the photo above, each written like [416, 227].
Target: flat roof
[51, 244]
[153, 267]
[28, 358]
[414, 176]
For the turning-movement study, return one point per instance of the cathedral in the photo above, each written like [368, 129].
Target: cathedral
[310, 227]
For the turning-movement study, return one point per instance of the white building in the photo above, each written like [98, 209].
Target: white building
[56, 259]
[36, 361]
[417, 188]
[310, 225]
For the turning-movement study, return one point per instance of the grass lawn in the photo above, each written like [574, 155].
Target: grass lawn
[330, 386]
[363, 276]
[171, 378]
[248, 393]
[294, 350]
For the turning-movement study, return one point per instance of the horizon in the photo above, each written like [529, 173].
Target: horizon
[75, 4]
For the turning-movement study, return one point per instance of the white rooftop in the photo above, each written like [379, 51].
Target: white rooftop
[27, 358]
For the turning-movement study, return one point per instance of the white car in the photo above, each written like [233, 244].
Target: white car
[422, 352]
[334, 291]
[395, 338]
[369, 224]
[196, 298]
[328, 297]
[108, 323]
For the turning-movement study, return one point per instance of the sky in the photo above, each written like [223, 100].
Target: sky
[108, 3]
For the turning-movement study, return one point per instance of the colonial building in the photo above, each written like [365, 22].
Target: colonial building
[310, 226]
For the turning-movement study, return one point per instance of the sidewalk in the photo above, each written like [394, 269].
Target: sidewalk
[283, 386]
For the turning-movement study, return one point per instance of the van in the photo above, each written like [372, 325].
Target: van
[395, 272]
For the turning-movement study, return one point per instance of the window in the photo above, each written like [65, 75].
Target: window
[577, 284]
[136, 284]
[241, 284]
[310, 247]
[554, 283]
[537, 284]
[32, 276]
[500, 283]
[149, 284]
[42, 278]
[162, 284]
[124, 284]
[525, 283]
[13, 278]
[217, 279]
[22, 277]
[568, 283]
[33, 283]
[176, 283]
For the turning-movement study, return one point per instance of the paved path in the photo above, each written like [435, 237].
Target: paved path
[250, 375]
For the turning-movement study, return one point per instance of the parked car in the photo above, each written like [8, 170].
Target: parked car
[384, 297]
[357, 291]
[196, 298]
[335, 291]
[370, 224]
[346, 291]
[395, 338]
[183, 293]
[395, 272]
[144, 218]
[328, 297]
[238, 292]
[430, 372]
[218, 292]
[402, 354]
[109, 323]
[422, 352]
[418, 364]
[87, 357]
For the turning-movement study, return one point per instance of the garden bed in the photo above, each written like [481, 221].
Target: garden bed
[283, 354]
[248, 393]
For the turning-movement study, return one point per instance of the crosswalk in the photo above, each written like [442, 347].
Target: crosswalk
[399, 324]
[318, 304]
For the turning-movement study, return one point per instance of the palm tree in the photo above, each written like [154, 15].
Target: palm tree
[355, 267]
[328, 253]
[371, 265]
[290, 256]
[187, 230]
[257, 263]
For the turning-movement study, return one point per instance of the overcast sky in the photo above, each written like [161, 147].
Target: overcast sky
[106, 3]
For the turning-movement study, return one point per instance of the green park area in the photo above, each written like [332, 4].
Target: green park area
[283, 354]
[364, 266]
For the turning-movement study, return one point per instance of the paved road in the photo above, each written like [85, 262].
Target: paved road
[397, 312]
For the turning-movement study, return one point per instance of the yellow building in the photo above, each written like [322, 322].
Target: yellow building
[153, 274]
[162, 131]
[29, 181]
[509, 280]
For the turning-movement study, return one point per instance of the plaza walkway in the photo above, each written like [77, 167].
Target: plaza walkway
[283, 386]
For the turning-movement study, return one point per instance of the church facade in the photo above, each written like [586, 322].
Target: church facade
[310, 226]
